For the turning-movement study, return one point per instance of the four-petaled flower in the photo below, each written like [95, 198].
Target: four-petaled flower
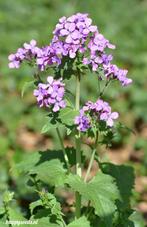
[95, 112]
[51, 94]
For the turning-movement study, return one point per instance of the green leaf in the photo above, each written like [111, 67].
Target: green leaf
[67, 115]
[47, 127]
[68, 99]
[44, 222]
[26, 86]
[50, 124]
[81, 222]
[29, 160]
[50, 172]
[124, 176]
[2, 210]
[50, 208]
[15, 215]
[137, 219]
[101, 191]
[33, 159]
[3, 224]
[49, 201]
[8, 196]
[35, 204]
[4, 145]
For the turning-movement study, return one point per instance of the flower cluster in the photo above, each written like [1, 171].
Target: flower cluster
[82, 121]
[72, 32]
[73, 35]
[47, 56]
[28, 51]
[112, 71]
[95, 112]
[51, 94]
[77, 34]
[97, 56]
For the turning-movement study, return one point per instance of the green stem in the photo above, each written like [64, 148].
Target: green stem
[77, 104]
[63, 149]
[35, 183]
[99, 87]
[7, 212]
[36, 74]
[92, 158]
[78, 150]
[104, 88]
[89, 214]
[90, 165]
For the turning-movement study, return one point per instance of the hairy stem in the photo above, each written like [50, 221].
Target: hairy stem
[92, 158]
[78, 150]
[63, 149]
[90, 165]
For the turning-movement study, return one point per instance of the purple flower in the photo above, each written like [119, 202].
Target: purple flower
[31, 47]
[93, 113]
[17, 58]
[47, 56]
[82, 122]
[73, 35]
[73, 32]
[51, 94]
[14, 62]
[99, 43]
[113, 72]
[106, 59]
[97, 56]
[109, 118]
[28, 52]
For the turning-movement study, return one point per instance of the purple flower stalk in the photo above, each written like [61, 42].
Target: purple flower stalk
[98, 111]
[51, 94]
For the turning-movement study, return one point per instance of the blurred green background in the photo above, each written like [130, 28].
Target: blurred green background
[124, 23]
